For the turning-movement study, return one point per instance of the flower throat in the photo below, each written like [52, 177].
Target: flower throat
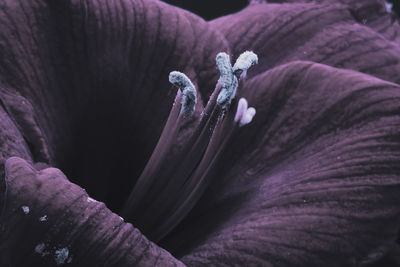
[174, 179]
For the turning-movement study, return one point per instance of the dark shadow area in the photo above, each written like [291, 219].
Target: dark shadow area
[396, 6]
[210, 9]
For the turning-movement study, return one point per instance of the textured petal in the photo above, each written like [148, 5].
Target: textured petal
[387, 24]
[48, 221]
[332, 34]
[373, 13]
[11, 142]
[94, 77]
[313, 179]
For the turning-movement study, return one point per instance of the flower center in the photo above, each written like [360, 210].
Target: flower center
[179, 171]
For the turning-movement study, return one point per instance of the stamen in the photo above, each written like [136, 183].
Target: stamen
[197, 183]
[189, 99]
[174, 179]
[227, 80]
[244, 62]
[147, 179]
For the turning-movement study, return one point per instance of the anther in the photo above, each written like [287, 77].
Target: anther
[227, 80]
[244, 62]
[243, 114]
[241, 109]
[189, 97]
[248, 117]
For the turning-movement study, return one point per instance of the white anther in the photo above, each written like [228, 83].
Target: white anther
[244, 62]
[43, 218]
[241, 109]
[243, 114]
[189, 98]
[227, 80]
[25, 209]
[248, 116]
[230, 75]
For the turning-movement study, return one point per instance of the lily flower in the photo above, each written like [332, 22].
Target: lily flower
[135, 133]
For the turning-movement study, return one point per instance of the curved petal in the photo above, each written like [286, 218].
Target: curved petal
[48, 221]
[11, 141]
[323, 33]
[372, 13]
[313, 179]
[95, 74]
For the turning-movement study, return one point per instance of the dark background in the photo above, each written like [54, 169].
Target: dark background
[210, 9]
[396, 6]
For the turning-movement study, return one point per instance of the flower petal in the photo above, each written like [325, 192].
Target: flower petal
[96, 76]
[48, 221]
[313, 179]
[324, 33]
[11, 142]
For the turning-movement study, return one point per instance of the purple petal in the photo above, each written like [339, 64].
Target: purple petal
[12, 142]
[326, 33]
[94, 75]
[313, 179]
[49, 221]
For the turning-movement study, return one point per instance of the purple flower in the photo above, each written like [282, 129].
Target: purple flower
[293, 162]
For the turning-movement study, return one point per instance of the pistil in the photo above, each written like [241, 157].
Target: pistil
[174, 179]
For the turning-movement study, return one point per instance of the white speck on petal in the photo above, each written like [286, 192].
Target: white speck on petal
[122, 219]
[43, 218]
[25, 209]
[40, 249]
[389, 7]
[89, 199]
[61, 256]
